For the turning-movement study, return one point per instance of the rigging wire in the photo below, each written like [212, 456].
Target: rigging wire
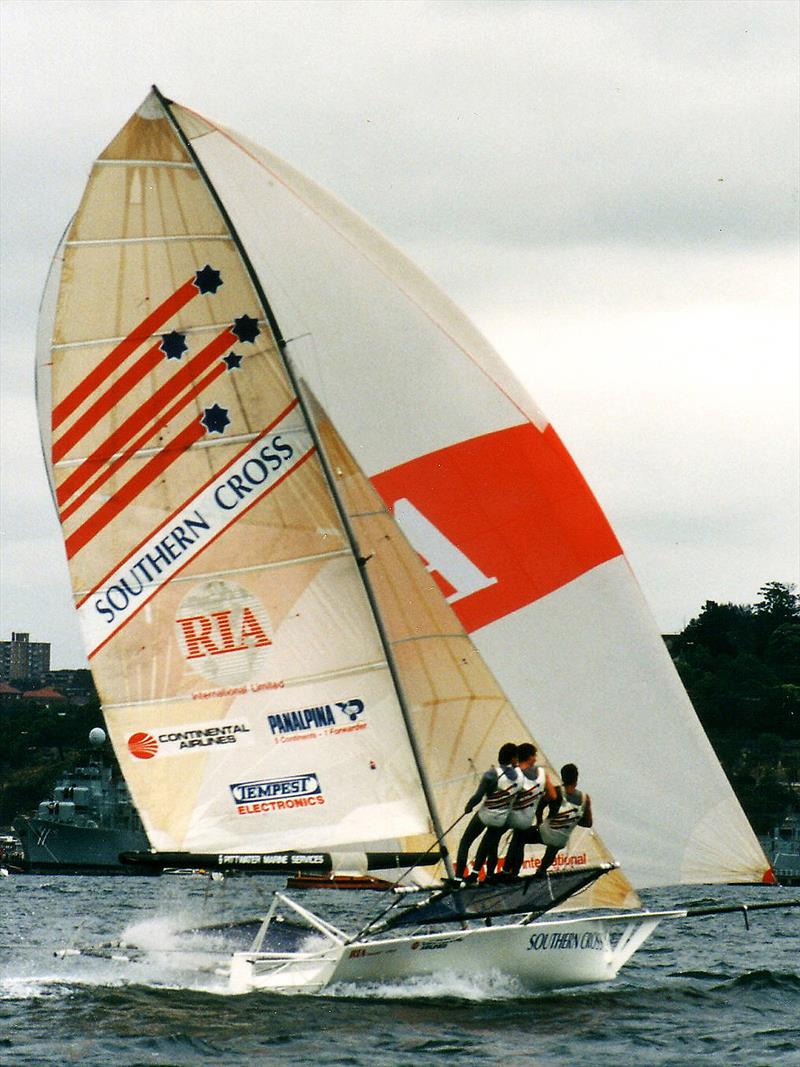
[439, 841]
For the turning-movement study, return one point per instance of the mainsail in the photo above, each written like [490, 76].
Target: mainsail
[306, 507]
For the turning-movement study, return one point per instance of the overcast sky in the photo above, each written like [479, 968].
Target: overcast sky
[609, 190]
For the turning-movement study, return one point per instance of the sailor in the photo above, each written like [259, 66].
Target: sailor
[536, 791]
[572, 808]
[495, 792]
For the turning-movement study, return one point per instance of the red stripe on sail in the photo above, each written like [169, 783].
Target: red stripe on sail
[136, 485]
[120, 353]
[148, 411]
[182, 507]
[507, 518]
[89, 419]
[121, 460]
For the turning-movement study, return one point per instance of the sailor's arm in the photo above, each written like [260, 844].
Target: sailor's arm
[586, 818]
[549, 786]
[485, 786]
[550, 800]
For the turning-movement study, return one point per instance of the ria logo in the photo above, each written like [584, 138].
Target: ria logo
[223, 632]
[142, 745]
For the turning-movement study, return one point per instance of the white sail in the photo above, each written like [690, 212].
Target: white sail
[487, 494]
[242, 676]
[258, 692]
[459, 714]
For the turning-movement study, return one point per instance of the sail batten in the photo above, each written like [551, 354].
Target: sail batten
[161, 239]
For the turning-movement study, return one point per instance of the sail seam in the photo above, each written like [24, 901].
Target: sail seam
[114, 340]
[198, 575]
[428, 637]
[143, 163]
[113, 241]
[300, 679]
[219, 442]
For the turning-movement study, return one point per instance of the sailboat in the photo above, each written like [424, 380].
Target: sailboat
[327, 556]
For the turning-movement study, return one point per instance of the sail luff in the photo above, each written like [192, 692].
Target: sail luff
[291, 373]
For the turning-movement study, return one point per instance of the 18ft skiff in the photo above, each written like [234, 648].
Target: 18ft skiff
[328, 556]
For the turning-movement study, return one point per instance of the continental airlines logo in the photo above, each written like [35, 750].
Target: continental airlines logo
[144, 745]
[277, 794]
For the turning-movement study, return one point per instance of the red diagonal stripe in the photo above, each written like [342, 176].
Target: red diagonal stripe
[120, 353]
[182, 506]
[136, 485]
[125, 432]
[120, 461]
[132, 376]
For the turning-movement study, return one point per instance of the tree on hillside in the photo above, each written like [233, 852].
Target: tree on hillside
[781, 603]
[740, 664]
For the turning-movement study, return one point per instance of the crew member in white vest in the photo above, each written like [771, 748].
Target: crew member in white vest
[536, 788]
[495, 793]
[573, 808]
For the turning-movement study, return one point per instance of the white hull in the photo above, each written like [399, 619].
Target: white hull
[540, 955]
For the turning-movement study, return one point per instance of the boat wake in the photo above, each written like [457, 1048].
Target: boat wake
[165, 951]
[486, 986]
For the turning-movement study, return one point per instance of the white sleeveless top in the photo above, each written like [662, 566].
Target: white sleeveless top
[556, 829]
[497, 804]
[527, 799]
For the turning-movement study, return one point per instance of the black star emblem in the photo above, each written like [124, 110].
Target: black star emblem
[207, 280]
[232, 361]
[246, 328]
[173, 345]
[215, 419]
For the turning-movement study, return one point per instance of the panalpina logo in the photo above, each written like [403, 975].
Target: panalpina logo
[142, 746]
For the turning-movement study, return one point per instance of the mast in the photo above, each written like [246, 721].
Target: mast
[282, 346]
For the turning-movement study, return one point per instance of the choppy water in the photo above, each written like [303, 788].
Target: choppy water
[702, 992]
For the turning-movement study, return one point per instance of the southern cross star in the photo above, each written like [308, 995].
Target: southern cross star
[215, 419]
[207, 280]
[246, 328]
[173, 345]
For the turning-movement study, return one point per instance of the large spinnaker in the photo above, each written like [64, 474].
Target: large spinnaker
[458, 713]
[486, 492]
[240, 669]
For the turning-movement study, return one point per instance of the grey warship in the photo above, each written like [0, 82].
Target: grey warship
[82, 829]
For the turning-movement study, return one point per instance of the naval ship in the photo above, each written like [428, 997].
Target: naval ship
[85, 825]
[782, 846]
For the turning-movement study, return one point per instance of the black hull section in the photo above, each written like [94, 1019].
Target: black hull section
[59, 848]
